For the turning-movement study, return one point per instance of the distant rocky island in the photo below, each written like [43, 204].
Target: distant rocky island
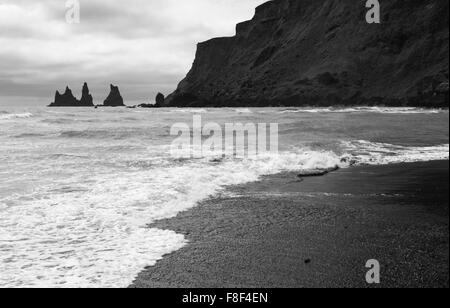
[114, 98]
[159, 102]
[324, 53]
[67, 99]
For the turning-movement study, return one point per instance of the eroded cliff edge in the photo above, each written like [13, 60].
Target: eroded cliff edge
[323, 52]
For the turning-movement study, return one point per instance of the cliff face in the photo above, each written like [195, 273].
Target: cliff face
[323, 52]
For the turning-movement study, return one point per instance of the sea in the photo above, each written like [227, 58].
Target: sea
[80, 186]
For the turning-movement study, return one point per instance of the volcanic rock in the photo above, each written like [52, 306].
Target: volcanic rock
[65, 100]
[324, 53]
[86, 98]
[69, 100]
[317, 172]
[160, 100]
[114, 98]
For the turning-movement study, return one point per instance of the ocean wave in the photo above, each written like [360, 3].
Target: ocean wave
[190, 110]
[94, 233]
[83, 134]
[58, 121]
[97, 134]
[8, 116]
[243, 110]
[29, 135]
[372, 153]
[383, 110]
[90, 230]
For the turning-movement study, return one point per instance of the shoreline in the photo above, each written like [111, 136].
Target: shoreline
[426, 107]
[315, 232]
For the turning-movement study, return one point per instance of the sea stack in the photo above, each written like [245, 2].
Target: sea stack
[160, 100]
[86, 98]
[65, 100]
[114, 98]
[69, 100]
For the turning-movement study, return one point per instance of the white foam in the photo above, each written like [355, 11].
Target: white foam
[15, 116]
[243, 110]
[385, 110]
[373, 153]
[190, 110]
[90, 231]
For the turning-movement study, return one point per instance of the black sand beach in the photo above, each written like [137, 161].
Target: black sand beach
[319, 232]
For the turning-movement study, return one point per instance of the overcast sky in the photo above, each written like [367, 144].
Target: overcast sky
[143, 46]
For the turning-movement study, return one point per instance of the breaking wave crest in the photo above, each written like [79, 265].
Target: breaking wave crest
[372, 153]
[8, 116]
[243, 110]
[190, 110]
[385, 110]
[96, 236]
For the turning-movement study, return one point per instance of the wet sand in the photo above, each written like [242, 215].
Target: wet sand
[316, 232]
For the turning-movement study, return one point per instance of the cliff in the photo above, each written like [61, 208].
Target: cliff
[323, 52]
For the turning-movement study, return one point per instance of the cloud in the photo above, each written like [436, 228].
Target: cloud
[144, 46]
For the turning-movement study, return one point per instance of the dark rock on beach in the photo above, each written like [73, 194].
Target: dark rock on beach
[69, 100]
[324, 53]
[114, 98]
[146, 106]
[311, 173]
[317, 172]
